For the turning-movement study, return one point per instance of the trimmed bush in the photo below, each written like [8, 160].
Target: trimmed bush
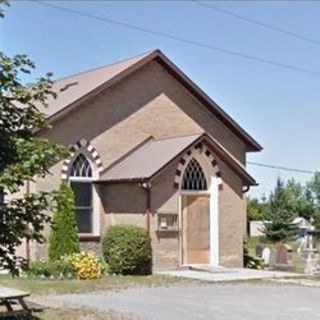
[127, 250]
[64, 231]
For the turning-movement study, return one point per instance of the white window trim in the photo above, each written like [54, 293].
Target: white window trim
[95, 197]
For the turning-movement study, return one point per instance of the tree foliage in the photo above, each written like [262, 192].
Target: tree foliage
[3, 3]
[255, 209]
[63, 239]
[313, 194]
[23, 155]
[301, 199]
[288, 201]
[280, 215]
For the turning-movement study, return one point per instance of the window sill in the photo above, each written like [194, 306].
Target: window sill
[88, 237]
[167, 230]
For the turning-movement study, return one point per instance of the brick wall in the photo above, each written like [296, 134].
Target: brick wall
[151, 102]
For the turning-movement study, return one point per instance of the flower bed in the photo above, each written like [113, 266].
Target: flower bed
[85, 265]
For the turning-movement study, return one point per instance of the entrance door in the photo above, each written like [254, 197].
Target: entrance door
[195, 229]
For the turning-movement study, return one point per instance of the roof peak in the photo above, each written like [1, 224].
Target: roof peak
[141, 55]
[85, 85]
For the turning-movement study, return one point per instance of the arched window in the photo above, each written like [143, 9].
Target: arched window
[80, 177]
[193, 177]
[81, 167]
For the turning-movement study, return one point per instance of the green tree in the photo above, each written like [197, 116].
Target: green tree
[3, 2]
[23, 155]
[301, 199]
[313, 193]
[64, 231]
[255, 209]
[280, 214]
[314, 187]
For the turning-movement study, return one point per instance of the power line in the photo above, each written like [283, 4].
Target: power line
[208, 46]
[270, 166]
[258, 23]
[180, 39]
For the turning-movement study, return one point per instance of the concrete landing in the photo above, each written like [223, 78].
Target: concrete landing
[220, 274]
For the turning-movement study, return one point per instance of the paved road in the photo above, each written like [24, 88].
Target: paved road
[250, 301]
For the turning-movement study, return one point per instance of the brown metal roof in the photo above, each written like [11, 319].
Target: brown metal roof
[147, 160]
[72, 88]
[154, 155]
[76, 89]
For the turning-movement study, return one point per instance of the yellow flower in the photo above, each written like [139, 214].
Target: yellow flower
[86, 265]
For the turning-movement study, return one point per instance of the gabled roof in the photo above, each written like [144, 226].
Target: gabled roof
[71, 89]
[76, 89]
[152, 156]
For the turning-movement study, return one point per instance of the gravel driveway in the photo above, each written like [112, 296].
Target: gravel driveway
[209, 301]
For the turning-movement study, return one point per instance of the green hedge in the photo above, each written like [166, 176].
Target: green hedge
[127, 250]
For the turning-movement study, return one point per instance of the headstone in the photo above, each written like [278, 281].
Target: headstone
[266, 255]
[273, 258]
[289, 250]
[282, 255]
[259, 249]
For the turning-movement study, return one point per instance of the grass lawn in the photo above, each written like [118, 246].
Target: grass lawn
[44, 287]
[39, 287]
[73, 313]
[65, 313]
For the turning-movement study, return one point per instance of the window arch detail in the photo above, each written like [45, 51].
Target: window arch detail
[88, 149]
[202, 151]
[194, 177]
[80, 179]
[81, 167]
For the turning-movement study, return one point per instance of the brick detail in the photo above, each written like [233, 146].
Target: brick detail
[187, 157]
[89, 148]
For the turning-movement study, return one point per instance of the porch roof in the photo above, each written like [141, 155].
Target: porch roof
[149, 158]
[153, 155]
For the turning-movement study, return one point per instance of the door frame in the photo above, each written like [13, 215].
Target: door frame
[214, 220]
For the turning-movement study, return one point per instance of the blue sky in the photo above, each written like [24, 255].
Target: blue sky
[279, 107]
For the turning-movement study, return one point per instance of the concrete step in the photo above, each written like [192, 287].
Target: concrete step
[206, 268]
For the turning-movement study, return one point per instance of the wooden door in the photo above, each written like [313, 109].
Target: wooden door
[196, 229]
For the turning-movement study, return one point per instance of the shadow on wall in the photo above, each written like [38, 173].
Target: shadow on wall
[123, 198]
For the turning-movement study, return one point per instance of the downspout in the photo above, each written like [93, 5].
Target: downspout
[245, 190]
[147, 187]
